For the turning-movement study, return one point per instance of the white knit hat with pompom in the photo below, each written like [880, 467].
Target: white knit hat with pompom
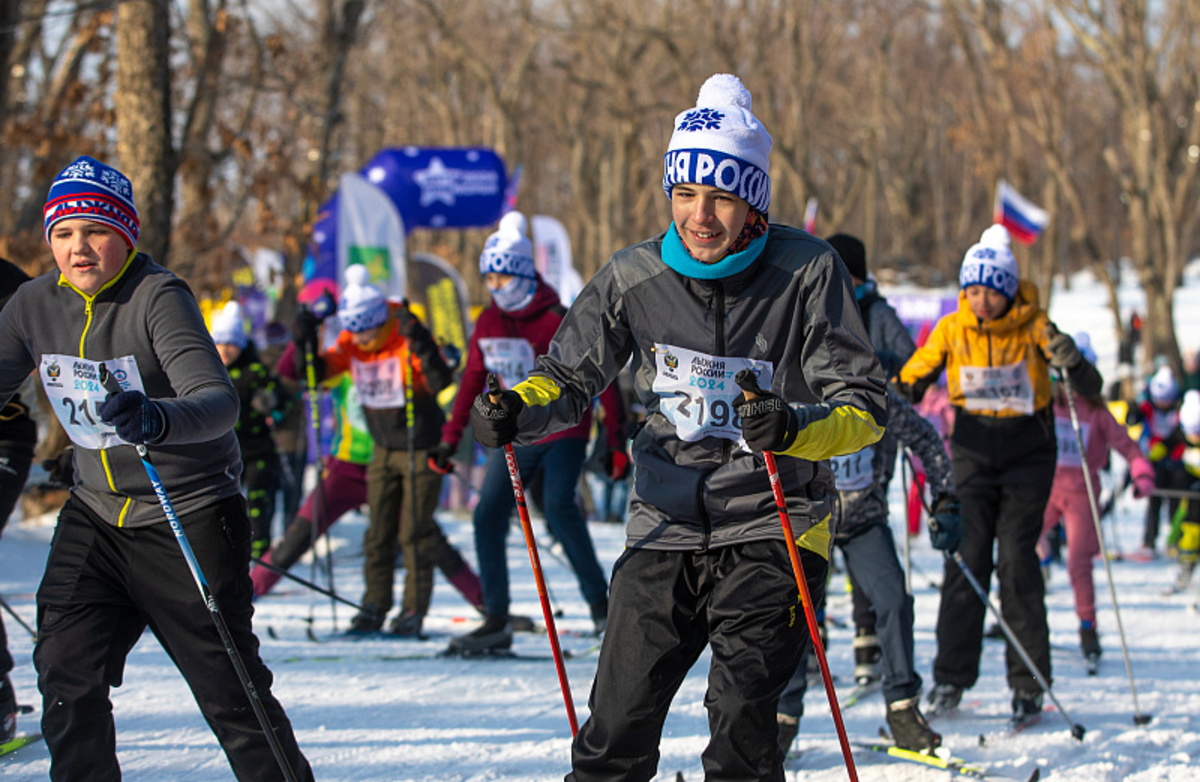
[990, 262]
[228, 326]
[508, 250]
[721, 143]
[362, 306]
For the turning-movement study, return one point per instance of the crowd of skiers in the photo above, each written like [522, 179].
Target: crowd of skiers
[184, 436]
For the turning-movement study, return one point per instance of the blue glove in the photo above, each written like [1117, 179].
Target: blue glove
[945, 528]
[495, 424]
[136, 418]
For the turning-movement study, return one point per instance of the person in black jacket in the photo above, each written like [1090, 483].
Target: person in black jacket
[264, 403]
[18, 438]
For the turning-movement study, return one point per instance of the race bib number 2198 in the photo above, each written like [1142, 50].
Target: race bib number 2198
[696, 391]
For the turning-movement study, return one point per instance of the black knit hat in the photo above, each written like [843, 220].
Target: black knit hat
[853, 254]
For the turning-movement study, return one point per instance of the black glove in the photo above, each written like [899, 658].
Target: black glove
[264, 402]
[1062, 353]
[61, 469]
[305, 328]
[440, 456]
[495, 424]
[945, 528]
[407, 323]
[768, 424]
[136, 418]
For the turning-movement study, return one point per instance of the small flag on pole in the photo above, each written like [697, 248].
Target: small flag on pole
[810, 215]
[1024, 220]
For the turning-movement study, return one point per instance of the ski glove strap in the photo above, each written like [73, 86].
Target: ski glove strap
[945, 528]
[137, 420]
[495, 424]
[768, 424]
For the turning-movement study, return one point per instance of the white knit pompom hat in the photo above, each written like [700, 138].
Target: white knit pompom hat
[721, 143]
[508, 250]
[1163, 387]
[228, 326]
[1189, 414]
[990, 262]
[362, 306]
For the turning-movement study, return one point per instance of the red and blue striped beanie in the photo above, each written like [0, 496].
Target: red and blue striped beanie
[90, 190]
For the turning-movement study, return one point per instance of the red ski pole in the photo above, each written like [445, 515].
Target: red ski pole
[514, 474]
[749, 385]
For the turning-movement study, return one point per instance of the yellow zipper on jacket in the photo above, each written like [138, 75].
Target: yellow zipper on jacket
[87, 324]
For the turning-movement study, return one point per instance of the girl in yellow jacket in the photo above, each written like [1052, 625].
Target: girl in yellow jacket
[997, 350]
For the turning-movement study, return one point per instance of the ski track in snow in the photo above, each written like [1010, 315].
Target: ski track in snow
[453, 720]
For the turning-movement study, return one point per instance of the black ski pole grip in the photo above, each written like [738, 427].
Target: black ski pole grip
[748, 382]
[493, 388]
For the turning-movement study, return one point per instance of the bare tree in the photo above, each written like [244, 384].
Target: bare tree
[143, 107]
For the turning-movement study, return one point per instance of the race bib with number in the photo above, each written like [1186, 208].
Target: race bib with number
[380, 383]
[996, 389]
[696, 391]
[852, 472]
[1068, 446]
[75, 392]
[509, 358]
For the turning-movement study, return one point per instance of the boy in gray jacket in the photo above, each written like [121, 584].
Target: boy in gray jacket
[115, 567]
[705, 563]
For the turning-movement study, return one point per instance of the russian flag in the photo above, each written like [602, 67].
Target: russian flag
[810, 215]
[1024, 221]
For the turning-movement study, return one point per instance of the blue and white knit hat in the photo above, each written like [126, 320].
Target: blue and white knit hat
[228, 327]
[721, 143]
[363, 306]
[990, 262]
[1163, 388]
[90, 190]
[508, 250]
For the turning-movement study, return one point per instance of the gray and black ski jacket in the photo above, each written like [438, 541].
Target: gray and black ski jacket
[790, 316]
[147, 313]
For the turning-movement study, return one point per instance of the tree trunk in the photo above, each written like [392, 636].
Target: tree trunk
[143, 104]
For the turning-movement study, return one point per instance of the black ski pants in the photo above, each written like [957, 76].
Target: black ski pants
[665, 608]
[1003, 473]
[15, 460]
[102, 588]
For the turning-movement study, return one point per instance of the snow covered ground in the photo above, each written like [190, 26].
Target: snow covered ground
[359, 717]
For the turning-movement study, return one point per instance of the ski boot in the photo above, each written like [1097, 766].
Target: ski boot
[1026, 707]
[407, 625]
[368, 620]
[600, 616]
[1089, 643]
[943, 699]
[8, 710]
[494, 636]
[909, 728]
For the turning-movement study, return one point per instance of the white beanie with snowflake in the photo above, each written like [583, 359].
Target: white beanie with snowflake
[721, 143]
[363, 306]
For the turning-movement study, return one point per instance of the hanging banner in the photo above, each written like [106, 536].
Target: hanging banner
[431, 187]
[552, 258]
[370, 232]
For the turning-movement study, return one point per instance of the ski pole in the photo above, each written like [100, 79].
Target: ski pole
[749, 385]
[310, 376]
[304, 582]
[210, 600]
[1077, 730]
[4, 604]
[1182, 494]
[514, 474]
[1138, 717]
[907, 486]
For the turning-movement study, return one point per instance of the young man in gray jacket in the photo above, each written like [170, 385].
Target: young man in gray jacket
[115, 567]
[706, 563]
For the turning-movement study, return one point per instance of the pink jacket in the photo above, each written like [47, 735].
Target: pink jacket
[1100, 432]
